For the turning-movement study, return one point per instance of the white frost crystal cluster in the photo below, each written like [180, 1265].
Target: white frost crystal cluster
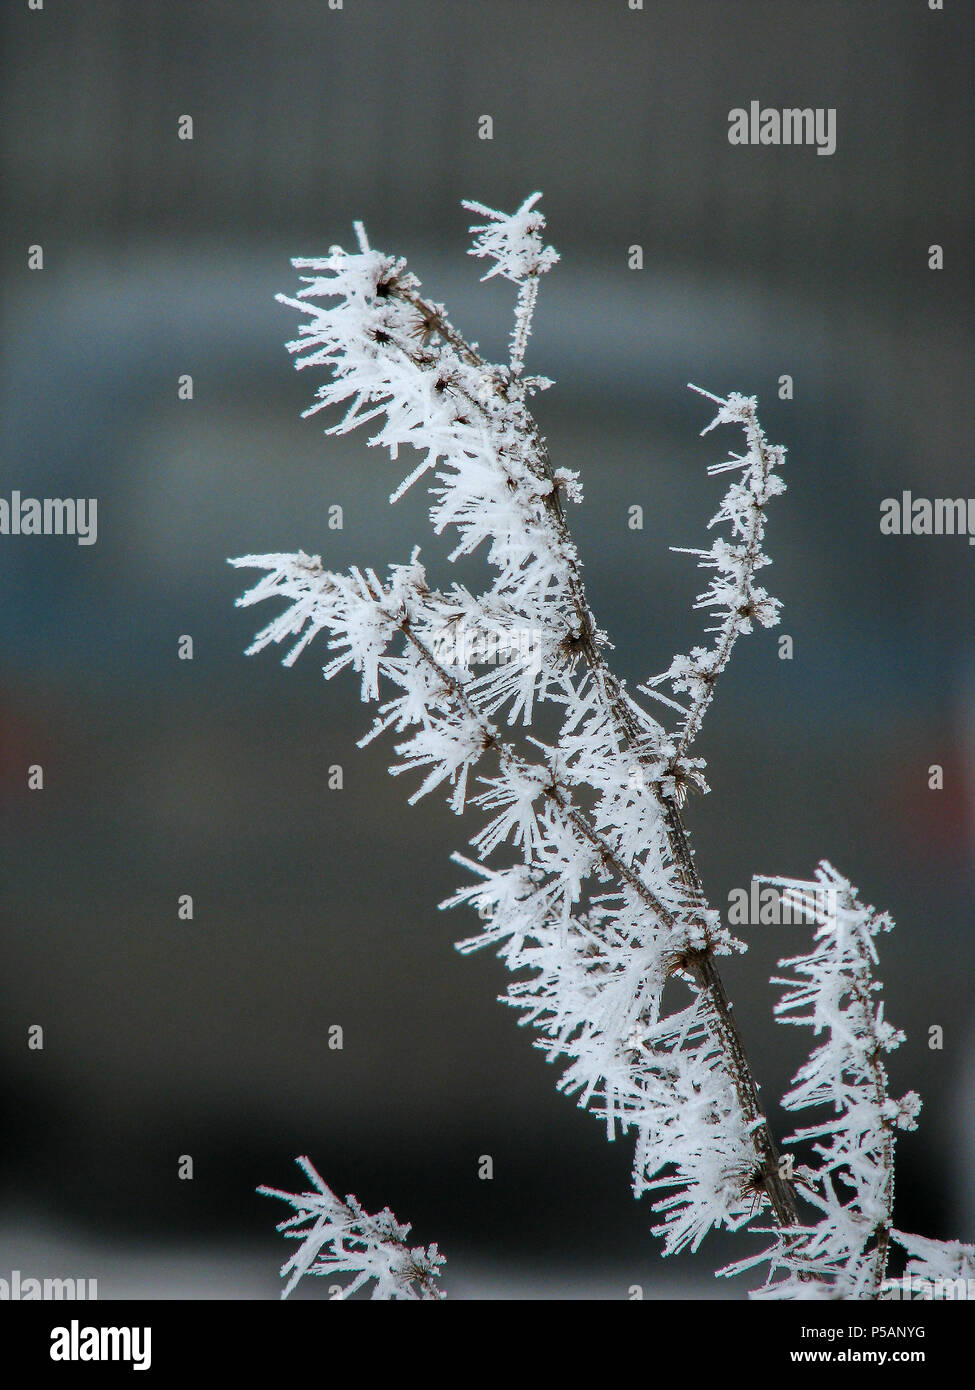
[340, 1241]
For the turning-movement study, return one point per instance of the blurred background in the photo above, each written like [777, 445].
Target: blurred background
[162, 777]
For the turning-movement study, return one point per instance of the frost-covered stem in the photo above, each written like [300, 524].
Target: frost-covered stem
[700, 964]
[730, 629]
[555, 790]
[832, 991]
[861, 989]
[703, 968]
[778, 1190]
[527, 295]
[436, 322]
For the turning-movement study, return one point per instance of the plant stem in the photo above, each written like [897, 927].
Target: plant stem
[702, 967]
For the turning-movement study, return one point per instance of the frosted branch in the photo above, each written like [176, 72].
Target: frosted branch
[584, 877]
[733, 597]
[832, 991]
[340, 1241]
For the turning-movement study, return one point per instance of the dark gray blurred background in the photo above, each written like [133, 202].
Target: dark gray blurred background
[208, 777]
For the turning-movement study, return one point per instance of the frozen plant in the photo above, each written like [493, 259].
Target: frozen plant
[340, 1239]
[582, 873]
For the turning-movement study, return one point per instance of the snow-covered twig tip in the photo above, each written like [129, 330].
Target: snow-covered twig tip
[514, 243]
[340, 1241]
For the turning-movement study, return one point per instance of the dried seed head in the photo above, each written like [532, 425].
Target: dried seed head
[685, 960]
